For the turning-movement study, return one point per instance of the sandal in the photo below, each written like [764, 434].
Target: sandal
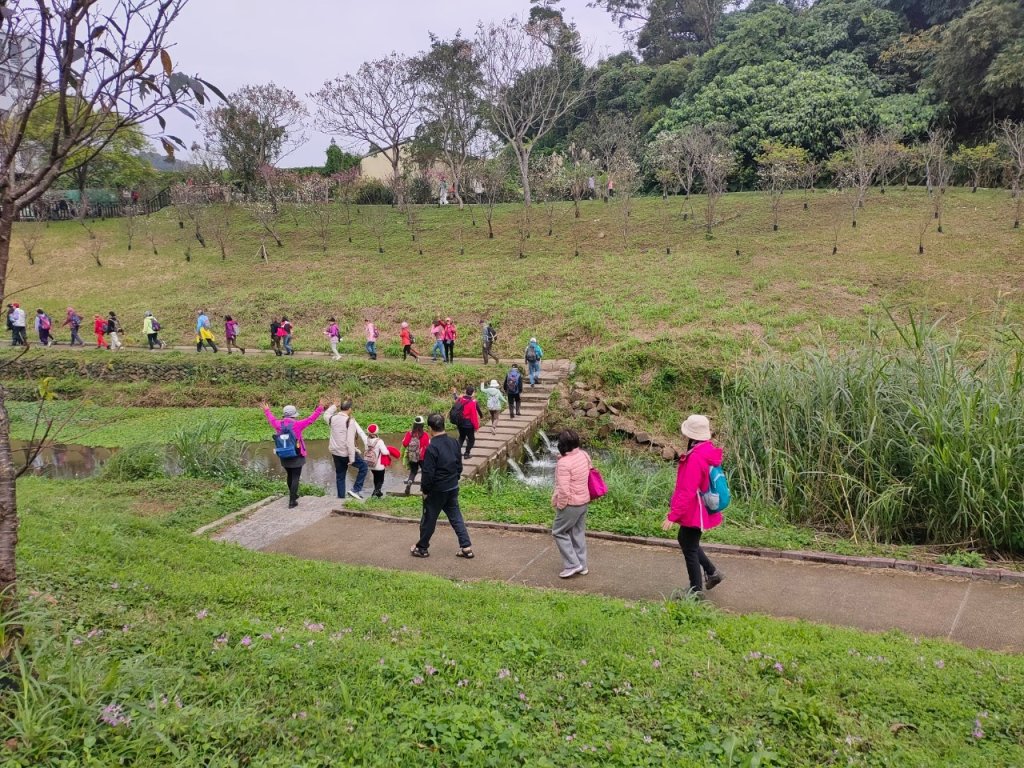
[466, 553]
[417, 552]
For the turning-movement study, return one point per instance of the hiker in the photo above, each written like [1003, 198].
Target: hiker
[342, 445]
[99, 327]
[448, 336]
[289, 445]
[333, 334]
[494, 401]
[534, 354]
[151, 328]
[442, 193]
[10, 324]
[570, 500]
[74, 320]
[467, 413]
[286, 330]
[415, 443]
[687, 508]
[437, 331]
[203, 333]
[407, 343]
[18, 321]
[114, 331]
[43, 326]
[442, 468]
[275, 336]
[231, 334]
[490, 336]
[374, 458]
[372, 334]
[514, 391]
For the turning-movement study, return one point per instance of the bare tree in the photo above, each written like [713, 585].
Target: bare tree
[626, 173]
[267, 215]
[979, 162]
[778, 168]
[30, 233]
[578, 172]
[377, 223]
[942, 171]
[846, 180]
[930, 152]
[1011, 139]
[674, 152]
[862, 157]
[611, 139]
[190, 202]
[313, 194]
[714, 161]
[492, 175]
[345, 184]
[888, 153]
[526, 88]
[219, 227]
[808, 174]
[150, 231]
[130, 219]
[377, 106]
[551, 183]
[522, 230]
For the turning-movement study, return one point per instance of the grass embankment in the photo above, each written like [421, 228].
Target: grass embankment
[649, 319]
[150, 646]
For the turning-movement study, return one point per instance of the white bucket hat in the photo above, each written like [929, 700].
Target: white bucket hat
[290, 411]
[494, 383]
[696, 427]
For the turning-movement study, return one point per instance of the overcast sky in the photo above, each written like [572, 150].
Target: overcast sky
[298, 44]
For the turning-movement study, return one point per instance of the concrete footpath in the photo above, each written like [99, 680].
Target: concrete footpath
[977, 614]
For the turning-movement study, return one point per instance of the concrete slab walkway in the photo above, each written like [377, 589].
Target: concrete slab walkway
[975, 613]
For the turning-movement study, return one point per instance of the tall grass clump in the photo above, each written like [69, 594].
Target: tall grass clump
[136, 462]
[912, 442]
[204, 449]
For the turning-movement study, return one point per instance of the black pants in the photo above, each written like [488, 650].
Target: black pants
[20, 340]
[414, 468]
[515, 405]
[154, 342]
[208, 342]
[408, 350]
[378, 482]
[467, 439]
[433, 505]
[449, 351]
[294, 473]
[697, 563]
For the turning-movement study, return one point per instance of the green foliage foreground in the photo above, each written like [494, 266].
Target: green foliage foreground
[146, 646]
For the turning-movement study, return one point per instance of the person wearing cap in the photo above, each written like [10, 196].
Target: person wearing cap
[114, 331]
[407, 342]
[448, 336]
[415, 443]
[494, 401]
[533, 356]
[342, 445]
[74, 320]
[442, 469]
[687, 508]
[293, 466]
[514, 390]
[372, 334]
[333, 334]
[151, 328]
[375, 450]
[469, 418]
[18, 321]
[489, 337]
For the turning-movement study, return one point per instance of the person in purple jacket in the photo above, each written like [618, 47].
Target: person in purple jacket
[290, 422]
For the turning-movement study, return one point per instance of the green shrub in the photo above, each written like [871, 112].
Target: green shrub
[420, 191]
[138, 462]
[373, 192]
[205, 450]
[964, 559]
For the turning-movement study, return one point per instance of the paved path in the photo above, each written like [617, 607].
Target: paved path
[975, 613]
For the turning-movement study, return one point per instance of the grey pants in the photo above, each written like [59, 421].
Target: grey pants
[568, 531]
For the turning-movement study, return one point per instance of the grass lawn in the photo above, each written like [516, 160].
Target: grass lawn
[152, 647]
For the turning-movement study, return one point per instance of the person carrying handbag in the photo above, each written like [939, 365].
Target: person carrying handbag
[570, 500]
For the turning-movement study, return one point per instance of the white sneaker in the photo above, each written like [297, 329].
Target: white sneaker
[354, 495]
[569, 572]
[584, 572]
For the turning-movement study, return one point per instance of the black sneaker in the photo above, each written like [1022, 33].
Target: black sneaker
[713, 580]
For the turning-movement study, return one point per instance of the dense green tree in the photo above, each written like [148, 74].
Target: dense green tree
[925, 13]
[339, 160]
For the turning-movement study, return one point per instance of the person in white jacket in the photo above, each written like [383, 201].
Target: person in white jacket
[495, 398]
[375, 450]
[342, 445]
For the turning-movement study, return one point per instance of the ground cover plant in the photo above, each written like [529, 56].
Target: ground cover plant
[156, 648]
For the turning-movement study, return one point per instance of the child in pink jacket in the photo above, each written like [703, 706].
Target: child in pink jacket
[687, 508]
[570, 500]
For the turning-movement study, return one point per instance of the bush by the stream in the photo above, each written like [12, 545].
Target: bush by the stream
[137, 462]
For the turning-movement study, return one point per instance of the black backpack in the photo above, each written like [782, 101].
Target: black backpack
[457, 414]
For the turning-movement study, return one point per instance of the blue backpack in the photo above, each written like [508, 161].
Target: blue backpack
[285, 443]
[717, 496]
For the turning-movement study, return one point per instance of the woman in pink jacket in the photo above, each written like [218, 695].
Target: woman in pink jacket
[293, 466]
[687, 508]
[570, 500]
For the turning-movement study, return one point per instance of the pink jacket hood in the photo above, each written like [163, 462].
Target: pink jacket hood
[686, 507]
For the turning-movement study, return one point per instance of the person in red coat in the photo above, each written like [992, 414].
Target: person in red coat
[470, 421]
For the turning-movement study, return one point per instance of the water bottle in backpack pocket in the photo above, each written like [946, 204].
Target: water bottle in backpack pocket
[717, 496]
[285, 443]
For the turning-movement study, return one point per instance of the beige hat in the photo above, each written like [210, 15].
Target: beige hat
[696, 427]
[494, 383]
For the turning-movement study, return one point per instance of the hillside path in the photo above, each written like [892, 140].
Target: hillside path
[977, 614]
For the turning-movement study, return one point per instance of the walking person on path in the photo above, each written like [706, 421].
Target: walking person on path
[494, 401]
[342, 445]
[151, 329]
[289, 445]
[469, 413]
[231, 334]
[18, 324]
[74, 320]
[570, 500]
[437, 331]
[514, 390]
[687, 508]
[287, 330]
[372, 334]
[333, 334]
[442, 469]
[204, 334]
[275, 336]
[407, 343]
[534, 354]
[415, 443]
[43, 326]
[490, 336]
[114, 331]
[374, 457]
[99, 327]
[449, 335]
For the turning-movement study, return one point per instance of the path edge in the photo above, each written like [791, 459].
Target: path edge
[243, 512]
[999, 575]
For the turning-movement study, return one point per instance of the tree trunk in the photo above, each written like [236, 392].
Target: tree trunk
[8, 500]
[523, 156]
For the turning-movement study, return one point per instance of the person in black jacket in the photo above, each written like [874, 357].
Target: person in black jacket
[439, 481]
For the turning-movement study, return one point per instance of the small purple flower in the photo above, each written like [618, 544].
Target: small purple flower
[94, 633]
[583, 662]
[115, 585]
[297, 646]
[299, 715]
[522, 696]
[266, 636]
[381, 661]
[177, 702]
[647, 739]
[221, 641]
[314, 627]
[777, 666]
[656, 664]
[126, 628]
[113, 715]
[202, 614]
[462, 683]
[246, 641]
[978, 733]
[503, 673]
[754, 655]
[77, 641]
[940, 664]
[417, 680]
[385, 619]
[431, 671]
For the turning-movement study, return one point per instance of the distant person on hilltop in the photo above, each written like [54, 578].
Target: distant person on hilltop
[231, 334]
[372, 334]
[489, 337]
[514, 390]
[407, 343]
[99, 327]
[204, 334]
[442, 470]
[442, 193]
[533, 355]
[449, 335]
[74, 321]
